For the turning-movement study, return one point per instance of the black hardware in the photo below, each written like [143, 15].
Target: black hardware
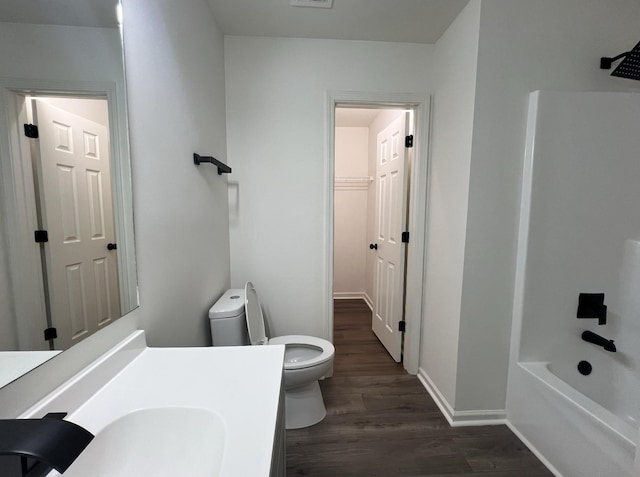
[53, 442]
[628, 68]
[402, 326]
[408, 141]
[585, 368]
[31, 131]
[41, 236]
[222, 167]
[596, 339]
[373, 246]
[405, 237]
[591, 305]
[50, 334]
[112, 246]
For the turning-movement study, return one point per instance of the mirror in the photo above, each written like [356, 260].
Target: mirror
[67, 259]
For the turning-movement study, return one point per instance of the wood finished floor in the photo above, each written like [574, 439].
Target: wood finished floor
[381, 421]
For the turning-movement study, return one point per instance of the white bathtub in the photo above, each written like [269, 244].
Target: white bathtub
[572, 434]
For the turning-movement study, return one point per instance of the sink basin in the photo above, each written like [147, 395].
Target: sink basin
[166, 441]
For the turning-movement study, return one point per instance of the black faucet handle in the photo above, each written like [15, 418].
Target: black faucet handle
[591, 305]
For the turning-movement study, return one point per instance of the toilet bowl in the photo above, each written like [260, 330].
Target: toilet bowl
[237, 319]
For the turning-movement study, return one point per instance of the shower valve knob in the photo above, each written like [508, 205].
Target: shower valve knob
[373, 246]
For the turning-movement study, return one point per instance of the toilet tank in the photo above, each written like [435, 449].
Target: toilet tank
[227, 319]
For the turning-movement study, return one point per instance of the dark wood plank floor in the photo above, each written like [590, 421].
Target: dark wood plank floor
[381, 421]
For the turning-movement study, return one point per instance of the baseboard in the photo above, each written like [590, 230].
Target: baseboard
[533, 450]
[354, 296]
[455, 418]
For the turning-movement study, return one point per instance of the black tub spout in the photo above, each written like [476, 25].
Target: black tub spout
[596, 339]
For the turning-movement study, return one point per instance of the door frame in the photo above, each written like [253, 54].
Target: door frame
[417, 221]
[18, 199]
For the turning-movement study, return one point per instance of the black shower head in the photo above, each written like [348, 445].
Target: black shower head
[629, 67]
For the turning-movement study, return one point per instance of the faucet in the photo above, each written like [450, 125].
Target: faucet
[596, 339]
[52, 442]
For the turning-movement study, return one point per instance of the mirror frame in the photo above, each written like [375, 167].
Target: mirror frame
[19, 212]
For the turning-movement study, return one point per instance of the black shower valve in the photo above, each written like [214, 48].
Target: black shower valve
[591, 305]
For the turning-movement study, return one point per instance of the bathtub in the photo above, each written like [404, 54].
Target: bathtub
[572, 434]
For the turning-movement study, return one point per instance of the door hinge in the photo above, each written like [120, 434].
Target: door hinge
[408, 141]
[50, 334]
[31, 131]
[41, 236]
[402, 326]
[405, 237]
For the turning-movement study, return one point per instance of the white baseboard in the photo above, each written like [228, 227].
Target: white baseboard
[534, 451]
[455, 418]
[354, 296]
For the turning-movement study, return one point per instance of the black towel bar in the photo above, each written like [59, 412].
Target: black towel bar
[222, 167]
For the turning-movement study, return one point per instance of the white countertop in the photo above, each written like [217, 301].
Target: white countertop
[240, 384]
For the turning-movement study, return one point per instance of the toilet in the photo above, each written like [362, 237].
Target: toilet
[236, 319]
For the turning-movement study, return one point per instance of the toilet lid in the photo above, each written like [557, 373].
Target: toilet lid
[253, 312]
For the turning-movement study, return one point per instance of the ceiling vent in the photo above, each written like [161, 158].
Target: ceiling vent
[312, 3]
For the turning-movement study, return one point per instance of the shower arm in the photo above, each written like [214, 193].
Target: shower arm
[606, 63]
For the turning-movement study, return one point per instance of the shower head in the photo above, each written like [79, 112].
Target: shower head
[628, 68]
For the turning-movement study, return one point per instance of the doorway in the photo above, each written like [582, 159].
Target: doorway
[416, 216]
[372, 170]
[66, 152]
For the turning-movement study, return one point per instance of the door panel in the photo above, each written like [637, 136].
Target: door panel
[77, 211]
[390, 212]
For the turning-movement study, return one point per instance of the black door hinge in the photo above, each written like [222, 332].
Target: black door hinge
[41, 236]
[31, 131]
[402, 326]
[405, 237]
[408, 141]
[50, 334]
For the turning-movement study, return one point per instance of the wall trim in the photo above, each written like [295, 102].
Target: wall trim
[483, 417]
[354, 296]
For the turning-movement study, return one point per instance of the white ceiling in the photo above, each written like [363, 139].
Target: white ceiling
[90, 13]
[407, 21]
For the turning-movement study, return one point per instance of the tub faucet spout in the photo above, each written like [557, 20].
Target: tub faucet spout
[596, 339]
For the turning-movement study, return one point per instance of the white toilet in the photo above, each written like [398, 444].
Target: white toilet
[236, 319]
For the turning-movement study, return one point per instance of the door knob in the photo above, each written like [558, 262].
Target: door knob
[111, 246]
[373, 246]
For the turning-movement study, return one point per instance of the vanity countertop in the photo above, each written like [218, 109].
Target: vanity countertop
[240, 384]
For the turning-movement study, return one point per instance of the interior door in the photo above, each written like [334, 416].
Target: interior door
[390, 215]
[74, 181]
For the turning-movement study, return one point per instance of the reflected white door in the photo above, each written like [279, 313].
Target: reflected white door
[77, 211]
[390, 222]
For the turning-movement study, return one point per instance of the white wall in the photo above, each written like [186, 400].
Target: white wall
[524, 46]
[350, 206]
[175, 74]
[453, 108]
[176, 98]
[276, 91]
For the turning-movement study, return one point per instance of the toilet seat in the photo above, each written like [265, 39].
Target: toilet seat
[300, 351]
[304, 351]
